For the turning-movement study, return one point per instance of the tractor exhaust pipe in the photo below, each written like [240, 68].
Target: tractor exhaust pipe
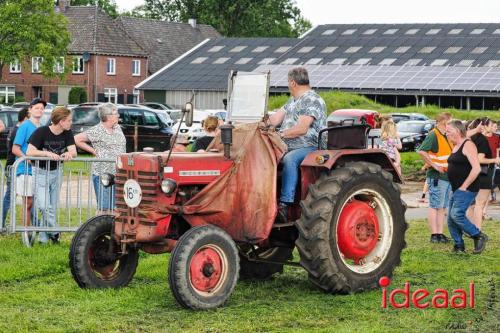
[227, 138]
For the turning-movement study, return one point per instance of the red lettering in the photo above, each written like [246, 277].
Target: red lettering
[384, 298]
[416, 298]
[384, 282]
[443, 297]
[405, 292]
[462, 295]
[471, 294]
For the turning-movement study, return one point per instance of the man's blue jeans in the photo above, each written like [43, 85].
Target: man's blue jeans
[6, 200]
[458, 223]
[290, 174]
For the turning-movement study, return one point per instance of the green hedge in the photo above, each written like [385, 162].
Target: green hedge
[340, 100]
[77, 95]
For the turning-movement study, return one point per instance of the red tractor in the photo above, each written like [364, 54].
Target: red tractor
[216, 212]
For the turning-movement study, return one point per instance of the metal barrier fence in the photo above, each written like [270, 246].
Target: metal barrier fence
[63, 196]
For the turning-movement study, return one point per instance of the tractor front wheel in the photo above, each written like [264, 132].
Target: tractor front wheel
[203, 268]
[94, 256]
[352, 228]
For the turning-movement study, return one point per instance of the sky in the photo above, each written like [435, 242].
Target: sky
[388, 11]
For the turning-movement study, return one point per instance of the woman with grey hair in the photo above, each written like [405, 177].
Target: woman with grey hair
[107, 141]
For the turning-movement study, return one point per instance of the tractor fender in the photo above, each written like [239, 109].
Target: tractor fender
[320, 161]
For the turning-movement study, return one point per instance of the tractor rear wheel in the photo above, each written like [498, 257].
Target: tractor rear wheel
[253, 270]
[96, 264]
[352, 228]
[203, 268]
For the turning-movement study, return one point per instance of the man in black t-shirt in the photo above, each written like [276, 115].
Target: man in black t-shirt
[57, 143]
[11, 158]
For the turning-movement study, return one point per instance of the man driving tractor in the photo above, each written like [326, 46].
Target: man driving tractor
[301, 119]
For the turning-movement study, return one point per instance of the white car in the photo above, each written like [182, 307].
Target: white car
[196, 131]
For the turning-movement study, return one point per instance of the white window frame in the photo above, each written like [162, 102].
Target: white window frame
[15, 67]
[6, 91]
[111, 62]
[78, 60]
[36, 64]
[111, 94]
[136, 67]
[59, 65]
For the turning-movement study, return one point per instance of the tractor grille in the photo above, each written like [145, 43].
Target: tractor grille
[150, 186]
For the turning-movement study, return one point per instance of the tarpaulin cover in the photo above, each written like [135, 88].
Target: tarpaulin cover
[242, 201]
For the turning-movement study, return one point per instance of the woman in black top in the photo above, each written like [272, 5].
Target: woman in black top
[463, 171]
[487, 162]
[210, 125]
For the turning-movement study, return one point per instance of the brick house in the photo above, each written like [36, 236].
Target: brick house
[109, 57]
[105, 61]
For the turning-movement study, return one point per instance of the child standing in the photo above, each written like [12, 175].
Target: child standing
[390, 142]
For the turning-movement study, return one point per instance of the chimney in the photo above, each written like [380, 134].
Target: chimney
[63, 5]
[192, 22]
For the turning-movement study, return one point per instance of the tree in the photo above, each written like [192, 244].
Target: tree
[31, 28]
[109, 6]
[241, 18]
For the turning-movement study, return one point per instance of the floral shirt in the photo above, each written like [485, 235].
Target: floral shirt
[389, 146]
[309, 104]
[106, 145]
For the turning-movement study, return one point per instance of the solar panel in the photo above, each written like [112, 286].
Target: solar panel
[393, 77]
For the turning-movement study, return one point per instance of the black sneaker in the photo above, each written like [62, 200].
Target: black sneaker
[443, 239]
[479, 243]
[435, 238]
[55, 239]
[458, 249]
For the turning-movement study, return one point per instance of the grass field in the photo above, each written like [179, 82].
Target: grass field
[38, 294]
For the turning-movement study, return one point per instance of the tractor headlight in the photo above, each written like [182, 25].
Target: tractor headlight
[168, 186]
[107, 179]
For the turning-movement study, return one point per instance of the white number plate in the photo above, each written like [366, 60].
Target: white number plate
[132, 193]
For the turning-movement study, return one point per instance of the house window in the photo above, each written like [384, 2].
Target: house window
[369, 32]
[7, 95]
[427, 49]
[477, 31]
[413, 62]
[36, 64]
[439, 62]
[387, 61]
[59, 65]
[216, 48]
[237, 49]
[362, 61]
[433, 32]
[243, 61]
[111, 66]
[377, 49]
[15, 67]
[349, 31]
[136, 67]
[110, 95]
[259, 49]
[313, 61]
[390, 31]
[78, 65]
[282, 49]
[338, 61]
[479, 50]
[453, 49]
[289, 61]
[455, 31]
[466, 62]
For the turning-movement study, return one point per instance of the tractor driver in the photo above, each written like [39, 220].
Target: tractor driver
[301, 119]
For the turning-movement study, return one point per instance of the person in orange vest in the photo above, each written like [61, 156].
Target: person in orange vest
[435, 151]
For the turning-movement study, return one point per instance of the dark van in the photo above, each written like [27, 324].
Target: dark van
[152, 128]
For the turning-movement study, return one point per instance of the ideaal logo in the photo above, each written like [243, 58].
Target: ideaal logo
[422, 298]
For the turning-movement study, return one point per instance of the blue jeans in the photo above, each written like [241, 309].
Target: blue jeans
[47, 186]
[105, 195]
[458, 223]
[6, 201]
[290, 174]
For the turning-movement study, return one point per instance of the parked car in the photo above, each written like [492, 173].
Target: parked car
[357, 115]
[170, 122]
[413, 133]
[152, 126]
[397, 117]
[157, 106]
[195, 131]
[9, 118]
